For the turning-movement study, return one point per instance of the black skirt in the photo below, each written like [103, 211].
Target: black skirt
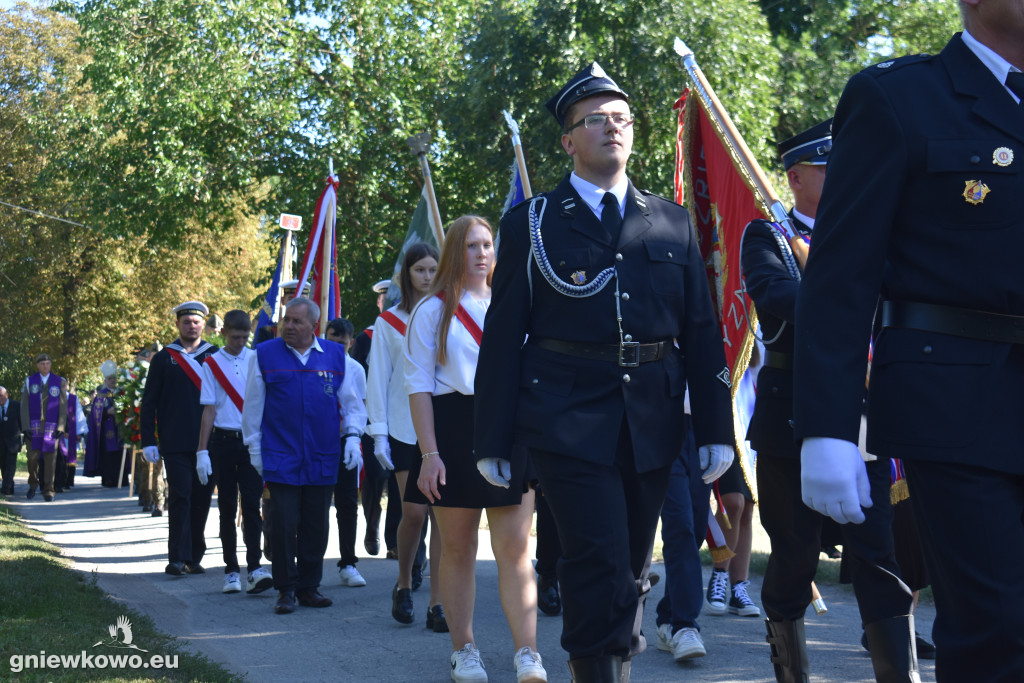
[465, 487]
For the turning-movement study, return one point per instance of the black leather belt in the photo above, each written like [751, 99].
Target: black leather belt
[779, 360]
[230, 433]
[626, 354]
[959, 322]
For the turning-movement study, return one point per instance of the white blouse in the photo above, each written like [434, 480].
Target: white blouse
[387, 402]
[422, 373]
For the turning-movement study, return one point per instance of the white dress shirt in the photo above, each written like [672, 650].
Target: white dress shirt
[350, 403]
[592, 195]
[992, 61]
[422, 373]
[387, 402]
[213, 394]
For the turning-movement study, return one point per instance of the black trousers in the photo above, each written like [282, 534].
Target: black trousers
[346, 508]
[548, 547]
[8, 467]
[606, 518]
[971, 522]
[374, 483]
[188, 506]
[110, 465]
[795, 533]
[235, 477]
[299, 534]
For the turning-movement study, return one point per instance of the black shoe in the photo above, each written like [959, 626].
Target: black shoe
[832, 552]
[147, 507]
[194, 568]
[31, 494]
[417, 577]
[48, 497]
[925, 650]
[436, 620]
[285, 603]
[371, 543]
[175, 568]
[311, 597]
[401, 605]
[548, 599]
[392, 554]
[653, 579]
[157, 512]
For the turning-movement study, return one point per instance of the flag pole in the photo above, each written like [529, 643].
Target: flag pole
[325, 265]
[734, 141]
[418, 145]
[517, 145]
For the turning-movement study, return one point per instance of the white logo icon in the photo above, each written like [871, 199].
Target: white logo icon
[120, 635]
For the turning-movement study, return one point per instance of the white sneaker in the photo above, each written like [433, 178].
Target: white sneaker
[259, 580]
[665, 637]
[714, 599]
[740, 603]
[687, 644]
[528, 666]
[467, 667]
[232, 583]
[350, 576]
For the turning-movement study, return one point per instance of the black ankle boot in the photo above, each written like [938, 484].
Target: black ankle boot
[788, 650]
[602, 669]
[893, 650]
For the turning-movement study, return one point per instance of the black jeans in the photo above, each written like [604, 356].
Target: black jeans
[235, 476]
[299, 533]
[346, 506]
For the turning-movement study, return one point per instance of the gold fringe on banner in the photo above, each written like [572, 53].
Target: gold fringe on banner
[899, 492]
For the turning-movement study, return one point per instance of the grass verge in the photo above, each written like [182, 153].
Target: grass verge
[49, 607]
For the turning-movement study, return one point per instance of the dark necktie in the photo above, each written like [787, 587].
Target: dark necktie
[1015, 82]
[611, 220]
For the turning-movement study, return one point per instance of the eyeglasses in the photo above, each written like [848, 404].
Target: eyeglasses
[592, 121]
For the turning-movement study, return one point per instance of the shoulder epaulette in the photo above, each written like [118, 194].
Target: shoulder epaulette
[525, 202]
[891, 65]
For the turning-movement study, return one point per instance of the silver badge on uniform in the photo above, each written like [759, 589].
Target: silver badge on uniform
[1002, 156]
[579, 277]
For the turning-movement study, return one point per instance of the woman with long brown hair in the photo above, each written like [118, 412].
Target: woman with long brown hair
[443, 344]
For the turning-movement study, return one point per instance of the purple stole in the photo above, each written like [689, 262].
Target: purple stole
[103, 434]
[44, 428]
[69, 444]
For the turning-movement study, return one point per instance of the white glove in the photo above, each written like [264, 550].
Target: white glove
[256, 458]
[353, 453]
[715, 460]
[204, 468]
[833, 479]
[151, 454]
[382, 449]
[497, 471]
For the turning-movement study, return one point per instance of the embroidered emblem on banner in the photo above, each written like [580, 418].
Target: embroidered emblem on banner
[724, 376]
[975, 191]
[1002, 156]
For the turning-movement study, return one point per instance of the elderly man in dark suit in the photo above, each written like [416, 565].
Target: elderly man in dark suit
[923, 207]
[10, 440]
[609, 284]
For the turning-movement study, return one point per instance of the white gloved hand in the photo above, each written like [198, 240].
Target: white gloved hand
[256, 458]
[833, 479]
[204, 468]
[382, 449]
[353, 453]
[497, 471]
[151, 454]
[715, 460]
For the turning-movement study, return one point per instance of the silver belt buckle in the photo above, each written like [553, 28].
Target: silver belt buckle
[629, 354]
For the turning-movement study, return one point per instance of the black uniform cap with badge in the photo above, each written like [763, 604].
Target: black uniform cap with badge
[589, 81]
[811, 146]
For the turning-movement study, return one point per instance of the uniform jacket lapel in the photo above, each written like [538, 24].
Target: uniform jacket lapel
[637, 218]
[581, 219]
[971, 78]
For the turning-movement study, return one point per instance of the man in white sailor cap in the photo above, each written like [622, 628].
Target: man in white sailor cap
[171, 417]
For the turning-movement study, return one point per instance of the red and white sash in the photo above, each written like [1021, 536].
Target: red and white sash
[393, 320]
[232, 385]
[467, 320]
[187, 362]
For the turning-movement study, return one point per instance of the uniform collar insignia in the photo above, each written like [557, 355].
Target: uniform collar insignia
[568, 207]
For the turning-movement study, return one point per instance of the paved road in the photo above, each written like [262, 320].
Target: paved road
[103, 531]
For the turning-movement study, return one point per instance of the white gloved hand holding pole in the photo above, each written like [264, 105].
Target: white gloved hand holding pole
[353, 458]
[834, 479]
[715, 460]
[497, 471]
[151, 454]
[256, 458]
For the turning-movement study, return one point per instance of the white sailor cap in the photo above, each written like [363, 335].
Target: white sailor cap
[191, 308]
[382, 286]
[109, 369]
[294, 284]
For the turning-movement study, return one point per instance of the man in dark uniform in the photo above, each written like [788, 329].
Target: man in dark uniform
[10, 440]
[772, 273]
[923, 207]
[171, 398]
[619, 317]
